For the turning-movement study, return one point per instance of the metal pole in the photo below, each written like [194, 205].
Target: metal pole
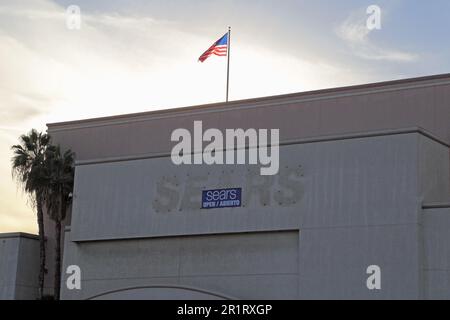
[228, 63]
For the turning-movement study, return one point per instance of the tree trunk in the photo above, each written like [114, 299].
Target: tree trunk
[57, 285]
[40, 220]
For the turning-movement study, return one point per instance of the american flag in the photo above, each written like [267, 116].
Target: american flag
[219, 48]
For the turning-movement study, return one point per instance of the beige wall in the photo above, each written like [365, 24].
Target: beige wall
[423, 102]
[368, 168]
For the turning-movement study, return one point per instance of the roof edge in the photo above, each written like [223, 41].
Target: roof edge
[18, 235]
[235, 103]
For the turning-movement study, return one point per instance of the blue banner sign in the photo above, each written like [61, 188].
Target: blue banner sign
[221, 198]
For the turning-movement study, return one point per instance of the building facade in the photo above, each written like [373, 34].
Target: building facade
[19, 266]
[363, 182]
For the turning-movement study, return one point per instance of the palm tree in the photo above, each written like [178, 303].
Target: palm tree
[60, 174]
[28, 170]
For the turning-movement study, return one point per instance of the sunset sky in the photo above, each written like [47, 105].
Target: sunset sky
[141, 55]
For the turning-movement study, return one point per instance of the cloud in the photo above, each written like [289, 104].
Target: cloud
[117, 64]
[355, 33]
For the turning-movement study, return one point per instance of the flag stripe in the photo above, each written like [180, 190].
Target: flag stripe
[219, 48]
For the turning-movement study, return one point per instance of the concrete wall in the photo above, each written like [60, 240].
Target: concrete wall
[252, 265]
[434, 170]
[9, 251]
[355, 202]
[436, 262]
[434, 221]
[358, 165]
[331, 183]
[19, 266]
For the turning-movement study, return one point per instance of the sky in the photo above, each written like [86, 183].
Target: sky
[141, 55]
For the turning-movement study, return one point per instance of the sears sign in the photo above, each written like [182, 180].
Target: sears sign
[221, 198]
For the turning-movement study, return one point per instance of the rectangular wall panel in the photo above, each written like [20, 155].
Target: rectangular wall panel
[366, 181]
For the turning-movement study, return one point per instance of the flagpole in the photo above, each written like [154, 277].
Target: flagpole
[228, 63]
